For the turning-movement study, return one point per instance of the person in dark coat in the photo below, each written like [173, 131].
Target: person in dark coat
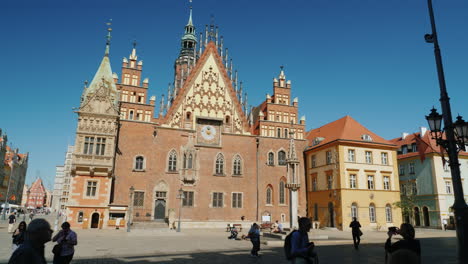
[356, 232]
[18, 235]
[32, 250]
[408, 243]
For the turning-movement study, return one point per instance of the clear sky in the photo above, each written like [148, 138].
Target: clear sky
[364, 58]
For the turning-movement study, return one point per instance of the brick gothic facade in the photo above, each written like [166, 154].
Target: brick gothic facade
[229, 160]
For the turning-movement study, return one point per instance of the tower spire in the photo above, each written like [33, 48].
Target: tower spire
[108, 37]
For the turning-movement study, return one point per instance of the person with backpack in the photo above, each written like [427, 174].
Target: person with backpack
[254, 235]
[65, 248]
[297, 247]
[18, 235]
[356, 232]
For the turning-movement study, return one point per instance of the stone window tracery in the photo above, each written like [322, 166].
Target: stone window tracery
[172, 165]
[281, 157]
[219, 167]
[237, 170]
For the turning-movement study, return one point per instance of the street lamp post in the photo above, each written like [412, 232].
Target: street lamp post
[130, 209]
[181, 197]
[450, 143]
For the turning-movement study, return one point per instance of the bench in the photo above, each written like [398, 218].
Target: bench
[266, 226]
[237, 226]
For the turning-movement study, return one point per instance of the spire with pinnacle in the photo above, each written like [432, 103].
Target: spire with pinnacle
[108, 37]
[189, 40]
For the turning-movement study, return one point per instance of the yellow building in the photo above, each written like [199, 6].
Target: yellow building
[351, 172]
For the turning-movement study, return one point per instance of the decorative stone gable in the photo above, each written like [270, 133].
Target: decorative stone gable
[208, 95]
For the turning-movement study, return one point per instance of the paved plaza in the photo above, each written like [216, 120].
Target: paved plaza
[212, 246]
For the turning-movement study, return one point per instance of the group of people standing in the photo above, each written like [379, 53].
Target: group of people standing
[407, 250]
[29, 243]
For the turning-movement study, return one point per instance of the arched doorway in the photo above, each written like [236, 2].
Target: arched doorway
[331, 214]
[160, 210]
[95, 220]
[426, 216]
[417, 220]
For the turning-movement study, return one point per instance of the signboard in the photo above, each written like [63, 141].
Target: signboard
[266, 218]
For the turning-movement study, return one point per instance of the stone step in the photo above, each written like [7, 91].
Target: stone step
[150, 225]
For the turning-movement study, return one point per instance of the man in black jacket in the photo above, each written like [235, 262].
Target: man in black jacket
[32, 250]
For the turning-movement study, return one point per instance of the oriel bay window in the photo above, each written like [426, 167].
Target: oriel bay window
[89, 146]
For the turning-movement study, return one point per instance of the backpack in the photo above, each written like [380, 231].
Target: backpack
[287, 246]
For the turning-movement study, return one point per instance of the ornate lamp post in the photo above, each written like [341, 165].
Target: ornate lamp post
[181, 197]
[455, 140]
[130, 209]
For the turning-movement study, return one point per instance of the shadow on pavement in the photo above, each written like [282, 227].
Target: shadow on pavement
[434, 250]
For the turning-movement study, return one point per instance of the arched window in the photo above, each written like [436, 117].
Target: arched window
[188, 116]
[139, 163]
[130, 115]
[372, 213]
[219, 164]
[281, 157]
[268, 195]
[172, 165]
[228, 119]
[354, 211]
[286, 133]
[278, 134]
[237, 165]
[388, 213]
[271, 159]
[282, 196]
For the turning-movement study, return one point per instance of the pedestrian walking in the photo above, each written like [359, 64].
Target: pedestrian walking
[356, 232]
[31, 251]
[301, 250]
[31, 216]
[254, 235]
[410, 246]
[65, 248]
[11, 222]
[18, 236]
[445, 224]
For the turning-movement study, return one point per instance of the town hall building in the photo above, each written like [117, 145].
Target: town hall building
[202, 147]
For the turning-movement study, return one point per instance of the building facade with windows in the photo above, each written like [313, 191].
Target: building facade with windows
[62, 182]
[425, 179]
[228, 159]
[13, 168]
[37, 195]
[351, 172]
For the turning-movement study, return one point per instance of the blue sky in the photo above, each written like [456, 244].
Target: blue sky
[364, 58]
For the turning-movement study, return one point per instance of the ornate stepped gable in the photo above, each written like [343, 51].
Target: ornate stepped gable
[208, 93]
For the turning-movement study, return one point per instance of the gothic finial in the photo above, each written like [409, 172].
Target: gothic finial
[216, 36]
[282, 76]
[239, 92]
[221, 43]
[226, 59]
[108, 37]
[200, 43]
[230, 68]
[206, 35]
[235, 80]
[161, 106]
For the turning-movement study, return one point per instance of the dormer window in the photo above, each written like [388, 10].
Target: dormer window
[366, 137]
[317, 141]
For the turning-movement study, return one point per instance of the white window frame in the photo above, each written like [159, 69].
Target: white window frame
[384, 158]
[386, 182]
[369, 157]
[388, 214]
[370, 182]
[351, 155]
[352, 181]
[372, 214]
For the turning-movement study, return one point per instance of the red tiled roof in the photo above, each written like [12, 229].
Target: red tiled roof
[426, 143]
[347, 129]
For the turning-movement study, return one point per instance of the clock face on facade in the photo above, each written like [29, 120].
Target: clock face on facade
[209, 132]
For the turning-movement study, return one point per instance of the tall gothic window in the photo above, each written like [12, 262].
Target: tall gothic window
[271, 159]
[281, 157]
[237, 165]
[139, 161]
[388, 213]
[372, 213]
[172, 165]
[282, 195]
[268, 195]
[219, 164]
[354, 211]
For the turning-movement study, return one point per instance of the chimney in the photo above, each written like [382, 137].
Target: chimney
[404, 135]
[152, 100]
[423, 131]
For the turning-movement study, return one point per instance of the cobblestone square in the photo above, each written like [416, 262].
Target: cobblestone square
[212, 246]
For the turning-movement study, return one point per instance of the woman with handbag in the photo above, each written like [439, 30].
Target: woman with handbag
[65, 248]
[356, 231]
